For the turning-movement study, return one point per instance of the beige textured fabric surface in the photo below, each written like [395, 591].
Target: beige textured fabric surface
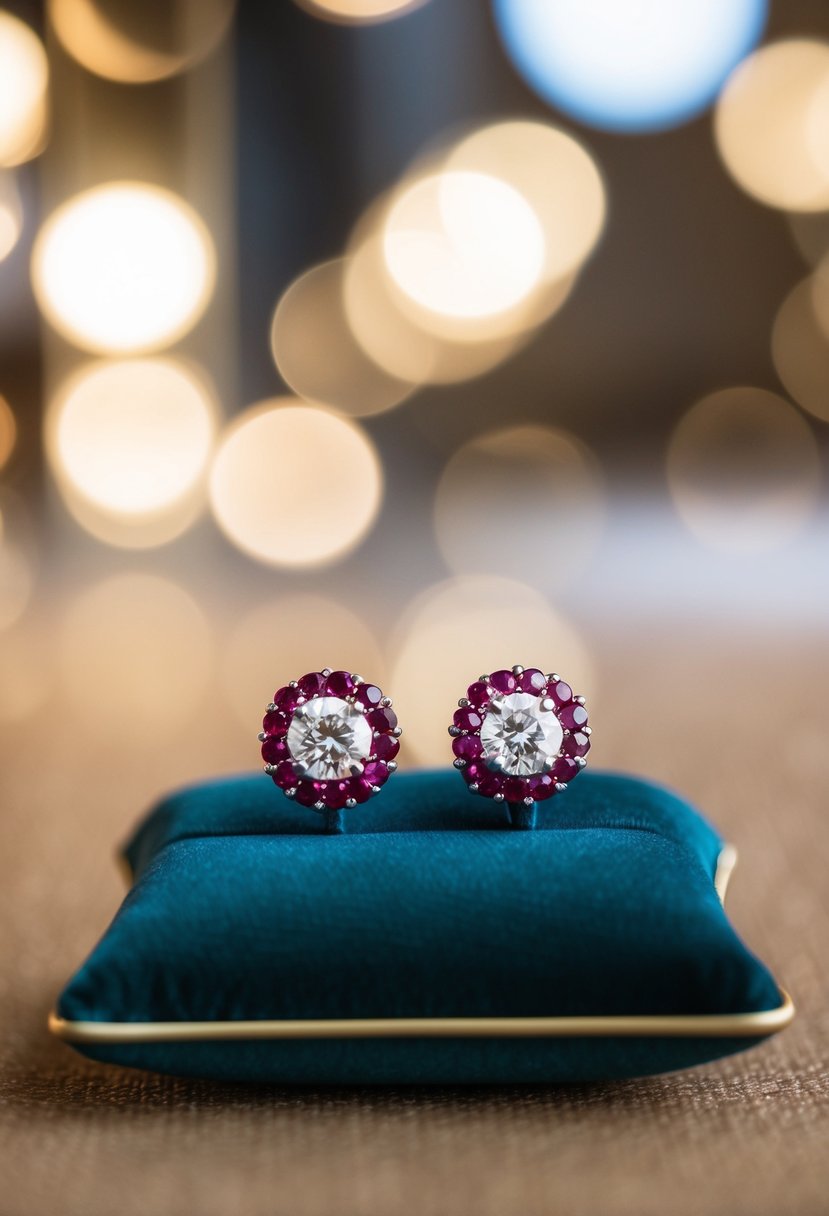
[741, 728]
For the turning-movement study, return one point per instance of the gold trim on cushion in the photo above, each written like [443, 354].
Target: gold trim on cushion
[726, 861]
[701, 1025]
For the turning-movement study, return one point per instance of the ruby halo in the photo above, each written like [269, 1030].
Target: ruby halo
[329, 739]
[520, 736]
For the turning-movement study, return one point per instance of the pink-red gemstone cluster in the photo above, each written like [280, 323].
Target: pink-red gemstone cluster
[332, 794]
[469, 718]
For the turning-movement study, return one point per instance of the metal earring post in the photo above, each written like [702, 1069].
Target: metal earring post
[522, 815]
[333, 821]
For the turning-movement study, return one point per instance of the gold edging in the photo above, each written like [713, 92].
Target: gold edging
[704, 1025]
[726, 861]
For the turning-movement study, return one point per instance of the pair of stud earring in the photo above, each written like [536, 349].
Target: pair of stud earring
[329, 740]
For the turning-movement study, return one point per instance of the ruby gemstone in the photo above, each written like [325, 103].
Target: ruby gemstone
[286, 699]
[385, 747]
[285, 776]
[467, 747]
[541, 786]
[361, 789]
[307, 793]
[477, 694]
[382, 719]
[275, 722]
[532, 680]
[561, 692]
[577, 744]
[376, 772]
[274, 750]
[489, 783]
[514, 789]
[335, 794]
[503, 681]
[369, 695]
[565, 769]
[339, 684]
[573, 717]
[467, 719]
[312, 685]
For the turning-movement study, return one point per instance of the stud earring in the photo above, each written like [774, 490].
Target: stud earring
[329, 740]
[519, 737]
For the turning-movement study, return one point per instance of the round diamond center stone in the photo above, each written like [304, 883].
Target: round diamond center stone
[327, 738]
[519, 736]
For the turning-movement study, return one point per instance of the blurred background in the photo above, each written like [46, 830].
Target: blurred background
[415, 338]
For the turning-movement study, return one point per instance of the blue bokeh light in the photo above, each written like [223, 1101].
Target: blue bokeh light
[629, 65]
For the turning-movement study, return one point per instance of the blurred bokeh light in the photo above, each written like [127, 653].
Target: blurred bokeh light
[24, 82]
[526, 502]
[11, 214]
[139, 43]
[26, 673]
[810, 233]
[295, 485]
[395, 341]
[282, 639]
[463, 245]
[123, 268]
[132, 439]
[820, 295]
[8, 431]
[764, 125]
[15, 582]
[554, 174]
[135, 658]
[457, 630]
[317, 353]
[629, 65]
[800, 345]
[359, 11]
[744, 470]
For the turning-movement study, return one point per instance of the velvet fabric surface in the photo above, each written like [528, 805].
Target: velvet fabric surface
[428, 906]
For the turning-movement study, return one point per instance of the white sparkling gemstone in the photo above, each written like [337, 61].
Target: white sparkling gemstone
[519, 736]
[327, 737]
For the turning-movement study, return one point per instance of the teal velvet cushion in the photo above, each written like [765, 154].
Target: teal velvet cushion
[428, 943]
